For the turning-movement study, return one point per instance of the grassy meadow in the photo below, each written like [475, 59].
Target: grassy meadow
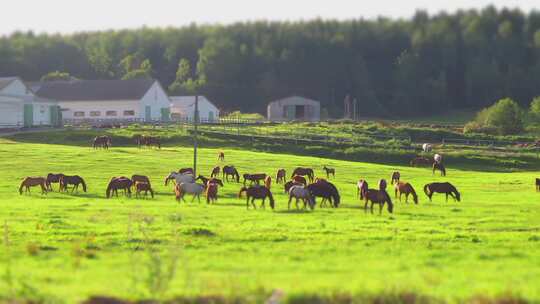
[63, 248]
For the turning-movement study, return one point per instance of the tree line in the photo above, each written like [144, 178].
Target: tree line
[426, 64]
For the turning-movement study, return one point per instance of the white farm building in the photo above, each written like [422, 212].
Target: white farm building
[108, 100]
[20, 107]
[183, 108]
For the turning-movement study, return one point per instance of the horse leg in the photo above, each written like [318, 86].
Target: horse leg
[446, 197]
[263, 203]
[406, 198]
[289, 203]
[253, 203]
[247, 202]
[372, 207]
[380, 208]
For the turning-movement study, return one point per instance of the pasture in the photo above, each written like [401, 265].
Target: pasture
[64, 248]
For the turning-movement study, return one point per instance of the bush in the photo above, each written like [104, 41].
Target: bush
[534, 111]
[504, 117]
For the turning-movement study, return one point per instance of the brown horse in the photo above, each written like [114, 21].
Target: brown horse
[327, 191]
[211, 192]
[148, 141]
[142, 186]
[53, 179]
[379, 197]
[215, 172]
[299, 179]
[206, 180]
[445, 188]
[221, 156]
[538, 184]
[257, 192]
[254, 178]
[407, 189]
[329, 171]
[288, 185]
[102, 142]
[230, 171]
[280, 176]
[268, 182]
[304, 172]
[75, 180]
[119, 183]
[186, 171]
[29, 182]
[395, 177]
[141, 179]
[382, 185]
[440, 167]
[421, 161]
[361, 188]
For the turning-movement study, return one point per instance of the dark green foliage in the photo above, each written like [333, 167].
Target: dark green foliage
[504, 117]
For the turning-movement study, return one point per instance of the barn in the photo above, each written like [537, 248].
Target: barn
[183, 108]
[108, 100]
[20, 107]
[294, 108]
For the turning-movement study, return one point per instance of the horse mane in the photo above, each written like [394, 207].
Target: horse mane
[22, 186]
[389, 201]
[271, 197]
[82, 183]
[413, 193]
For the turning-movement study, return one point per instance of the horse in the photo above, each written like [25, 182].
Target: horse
[140, 178]
[405, 188]
[215, 172]
[119, 183]
[280, 176]
[254, 178]
[142, 186]
[102, 142]
[437, 158]
[211, 192]
[76, 180]
[206, 180]
[288, 185]
[382, 185]
[179, 178]
[395, 177]
[427, 148]
[186, 171]
[379, 197]
[150, 141]
[268, 182]
[440, 167]
[329, 171]
[29, 182]
[190, 188]
[257, 192]
[221, 156]
[325, 190]
[301, 192]
[420, 161]
[304, 172]
[299, 179]
[446, 188]
[230, 171]
[538, 184]
[53, 178]
[361, 188]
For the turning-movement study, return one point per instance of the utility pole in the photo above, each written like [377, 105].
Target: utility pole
[195, 123]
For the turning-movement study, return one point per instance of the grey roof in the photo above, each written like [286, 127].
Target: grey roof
[294, 100]
[5, 81]
[93, 90]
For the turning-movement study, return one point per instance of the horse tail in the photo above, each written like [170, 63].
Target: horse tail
[83, 183]
[244, 189]
[271, 197]
[427, 191]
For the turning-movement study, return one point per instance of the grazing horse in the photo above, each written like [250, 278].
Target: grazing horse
[445, 188]
[427, 147]
[382, 185]
[53, 178]
[538, 184]
[257, 192]
[186, 171]
[211, 192]
[119, 183]
[405, 188]
[76, 180]
[230, 171]
[361, 188]
[206, 180]
[142, 186]
[437, 158]
[29, 182]
[301, 192]
[395, 177]
[189, 188]
[329, 171]
[254, 178]
[215, 172]
[102, 142]
[280, 176]
[379, 197]
[325, 190]
[440, 167]
[268, 182]
[141, 179]
[304, 172]
[221, 156]
[288, 185]
[179, 178]
[148, 141]
[420, 161]
[299, 179]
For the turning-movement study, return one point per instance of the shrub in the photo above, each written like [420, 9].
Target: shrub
[534, 110]
[504, 117]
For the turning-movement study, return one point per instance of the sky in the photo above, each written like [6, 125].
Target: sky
[68, 16]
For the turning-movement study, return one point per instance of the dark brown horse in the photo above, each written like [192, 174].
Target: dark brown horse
[299, 179]
[104, 142]
[327, 191]
[254, 178]
[361, 188]
[379, 197]
[382, 185]
[445, 188]
[75, 181]
[421, 161]
[215, 172]
[304, 172]
[407, 189]
[538, 184]
[280, 176]
[257, 192]
[119, 183]
[329, 171]
[221, 156]
[230, 171]
[206, 180]
[395, 177]
[29, 182]
[53, 179]
[143, 187]
[151, 141]
[440, 167]
[186, 171]
[141, 179]
[211, 192]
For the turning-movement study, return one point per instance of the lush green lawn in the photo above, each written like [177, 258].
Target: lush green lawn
[70, 247]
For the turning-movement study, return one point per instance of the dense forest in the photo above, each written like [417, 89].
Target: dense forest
[426, 64]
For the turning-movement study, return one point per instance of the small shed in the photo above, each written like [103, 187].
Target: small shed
[294, 108]
[183, 108]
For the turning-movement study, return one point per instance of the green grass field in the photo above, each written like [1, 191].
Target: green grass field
[63, 248]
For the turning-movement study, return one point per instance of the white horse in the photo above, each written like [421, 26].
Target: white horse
[427, 147]
[180, 178]
[190, 188]
[437, 158]
[301, 192]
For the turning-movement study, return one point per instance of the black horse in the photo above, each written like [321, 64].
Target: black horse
[327, 191]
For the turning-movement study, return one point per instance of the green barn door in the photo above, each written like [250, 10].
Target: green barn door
[165, 114]
[290, 112]
[147, 113]
[211, 116]
[53, 110]
[28, 115]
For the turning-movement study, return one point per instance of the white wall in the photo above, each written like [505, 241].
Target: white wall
[42, 113]
[157, 99]
[11, 112]
[69, 107]
[187, 109]
[17, 88]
